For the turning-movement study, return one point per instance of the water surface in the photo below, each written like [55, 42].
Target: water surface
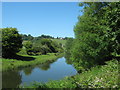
[40, 73]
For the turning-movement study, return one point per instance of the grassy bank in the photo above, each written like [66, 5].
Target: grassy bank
[26, 60]
[105, 76]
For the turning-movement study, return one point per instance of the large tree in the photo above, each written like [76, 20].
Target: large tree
[11, 42]
[97, 34]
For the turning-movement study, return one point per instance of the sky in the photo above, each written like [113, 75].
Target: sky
[36, 18]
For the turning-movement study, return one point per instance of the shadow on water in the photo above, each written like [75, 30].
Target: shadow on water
[28, 70]
[11, 79]
[41, 73]
[23, 58]
[68, 61]
[45, 66]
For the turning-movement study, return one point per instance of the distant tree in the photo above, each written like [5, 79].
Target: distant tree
[46, 36]
[28, 45]
[11, 42]
[27, 37]
[42, 46]
[30, 37]
[66, 38]
[49, 43]
[24, 37]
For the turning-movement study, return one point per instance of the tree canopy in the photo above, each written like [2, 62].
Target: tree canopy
[97, 34]
[11, 42]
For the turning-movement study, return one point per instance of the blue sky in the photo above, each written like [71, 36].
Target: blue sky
[36, 18]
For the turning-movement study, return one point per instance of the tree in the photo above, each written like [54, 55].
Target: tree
[97, 34]
[30, 37]
[27, 37]
[28, 45]
[11, 42]
[68, 46]
[50, 44]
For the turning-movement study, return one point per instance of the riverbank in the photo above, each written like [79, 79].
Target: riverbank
[105, 76]
[26, 60]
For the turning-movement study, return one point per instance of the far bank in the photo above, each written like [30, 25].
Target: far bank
[26, 60]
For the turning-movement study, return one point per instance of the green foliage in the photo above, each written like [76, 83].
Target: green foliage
[49, 44]
[100, 77]
[31, 38]
[60, 41]
[11, 42]
[42, 46]
[22, 51]
[27, 37]
[28, 45]
[97, 35]
[65, 83]
[45, 36]
[68, 46]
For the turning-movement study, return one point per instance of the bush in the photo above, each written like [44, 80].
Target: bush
[11, 42]
[42, 46]
[28, 45]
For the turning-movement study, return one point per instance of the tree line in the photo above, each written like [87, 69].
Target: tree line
[30, 37]
[13, 42]
[97, 35]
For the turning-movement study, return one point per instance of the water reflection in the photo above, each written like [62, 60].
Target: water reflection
[52, 70]
[67, 57]
[11, 79]
[45, 66]
[28, 70]
[68, 61]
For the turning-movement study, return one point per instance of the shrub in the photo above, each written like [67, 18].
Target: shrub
[42, 46]
[28, 45]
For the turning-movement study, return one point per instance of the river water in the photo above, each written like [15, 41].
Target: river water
[41, 73]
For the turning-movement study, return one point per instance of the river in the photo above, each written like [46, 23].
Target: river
[41, 73]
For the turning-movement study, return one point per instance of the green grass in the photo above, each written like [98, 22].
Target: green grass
[105, 76]
[26, 60]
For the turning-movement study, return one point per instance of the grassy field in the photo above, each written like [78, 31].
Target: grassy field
[106, 76]
[26, 60]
